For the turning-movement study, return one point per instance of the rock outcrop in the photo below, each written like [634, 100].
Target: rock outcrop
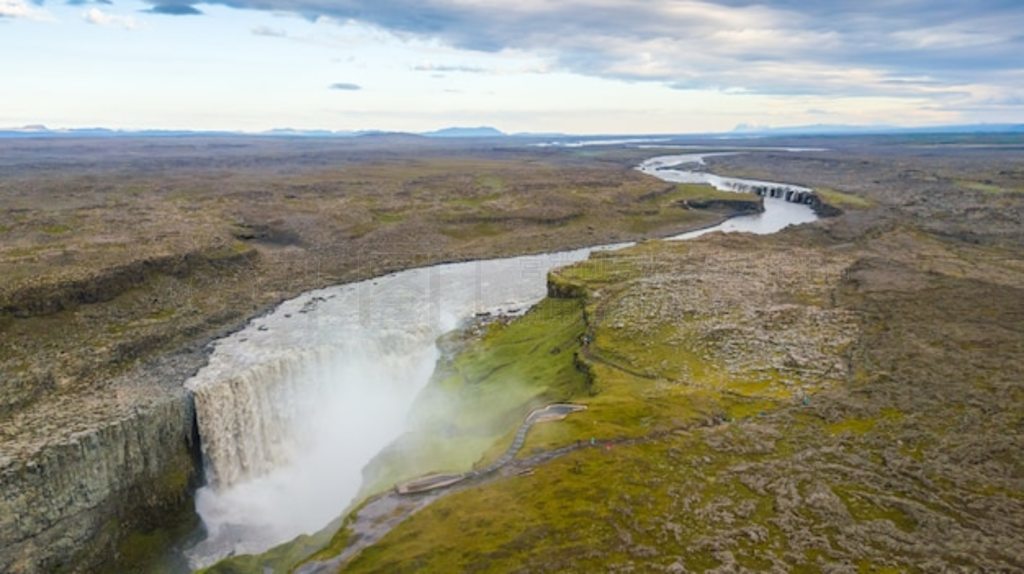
[80, 474]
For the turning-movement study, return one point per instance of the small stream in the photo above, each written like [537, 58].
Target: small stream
[292, 407]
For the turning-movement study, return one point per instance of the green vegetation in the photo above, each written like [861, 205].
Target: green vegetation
[989, 187]
[473, 231]
[842, 200]
[278, 559]
[56, 229]
[390, 216]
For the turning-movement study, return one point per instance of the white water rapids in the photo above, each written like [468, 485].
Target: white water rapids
[292, 407]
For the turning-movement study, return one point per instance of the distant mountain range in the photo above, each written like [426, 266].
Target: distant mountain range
[481, 132]
[478, 132]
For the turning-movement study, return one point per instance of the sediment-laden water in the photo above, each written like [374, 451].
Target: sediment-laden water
[292, 407]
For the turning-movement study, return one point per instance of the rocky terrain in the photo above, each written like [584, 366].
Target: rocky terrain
[120, 260]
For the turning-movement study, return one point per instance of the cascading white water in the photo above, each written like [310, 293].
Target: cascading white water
[244, 417]
[292, 407]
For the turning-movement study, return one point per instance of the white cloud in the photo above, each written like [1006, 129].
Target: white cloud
[21, 9]
[101, 18]
[269, 32]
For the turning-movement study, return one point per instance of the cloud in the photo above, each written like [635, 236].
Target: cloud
[269, 32]
[20, 9]
[346, 86]
[786, 45]
[428, 67]
[885, 48]
[174, 9]
[101, 18]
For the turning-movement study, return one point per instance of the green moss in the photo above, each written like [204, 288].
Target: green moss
[471, 230]
[56, 229]
[390, 216]
[915, 451]
[162, 314]
[27, 251]
[840, 199]
[862, 505]
[852, 425]
[597, 271]
[988, 187]
[870, 567]
[859, 426]
[280, 559]
[494, 183]
[474, 201]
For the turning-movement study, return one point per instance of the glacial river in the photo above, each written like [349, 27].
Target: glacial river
[293, 406]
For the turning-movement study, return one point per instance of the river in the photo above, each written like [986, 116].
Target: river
[293, 406]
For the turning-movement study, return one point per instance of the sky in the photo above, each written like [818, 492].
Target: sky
[571, 66]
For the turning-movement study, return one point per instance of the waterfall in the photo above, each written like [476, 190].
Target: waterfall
[285, 440]
[246, 419]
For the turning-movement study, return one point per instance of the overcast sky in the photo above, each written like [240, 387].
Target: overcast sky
[581, 66]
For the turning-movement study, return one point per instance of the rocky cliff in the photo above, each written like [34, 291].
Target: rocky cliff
[81, 475]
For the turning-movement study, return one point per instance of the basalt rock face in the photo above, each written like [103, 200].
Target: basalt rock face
[72, 493]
